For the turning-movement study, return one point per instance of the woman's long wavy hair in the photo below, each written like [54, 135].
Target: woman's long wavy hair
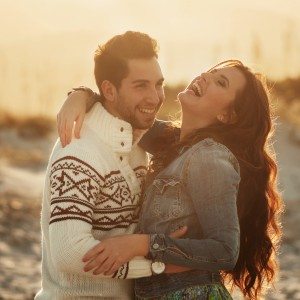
[248, 136]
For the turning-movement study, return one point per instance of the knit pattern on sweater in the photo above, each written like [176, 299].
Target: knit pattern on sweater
[92, 192]
[79, 192]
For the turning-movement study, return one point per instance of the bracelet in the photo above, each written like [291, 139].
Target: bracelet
[82, 88]
[90, 92]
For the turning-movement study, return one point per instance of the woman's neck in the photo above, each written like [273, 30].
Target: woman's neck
[188, 125]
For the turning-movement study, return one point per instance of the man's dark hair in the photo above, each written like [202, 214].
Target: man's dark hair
[111, 58]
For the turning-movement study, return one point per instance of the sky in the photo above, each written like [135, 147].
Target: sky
[46, 47]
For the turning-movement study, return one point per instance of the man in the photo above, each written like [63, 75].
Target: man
[93, 186]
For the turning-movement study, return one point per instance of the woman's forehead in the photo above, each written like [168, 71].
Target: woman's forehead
[235, 76]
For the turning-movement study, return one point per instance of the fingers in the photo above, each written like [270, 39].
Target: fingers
[78, 126]
[96, 263]
[60, 129]
[93, 252]
[179, 232]
[68, 132]
[113, 269]
[104, 267]
[58, 121]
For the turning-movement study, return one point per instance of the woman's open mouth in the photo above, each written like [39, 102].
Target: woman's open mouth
[197, 89]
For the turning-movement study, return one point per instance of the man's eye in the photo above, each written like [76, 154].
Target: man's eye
[141, 85]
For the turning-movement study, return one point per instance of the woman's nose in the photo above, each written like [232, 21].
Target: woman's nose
[205, 76]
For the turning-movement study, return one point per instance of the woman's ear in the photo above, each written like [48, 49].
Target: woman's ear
[227, 118]
[108, 90]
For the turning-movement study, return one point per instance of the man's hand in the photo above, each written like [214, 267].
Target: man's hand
[111, 253]
[171, 269]
[73, 110]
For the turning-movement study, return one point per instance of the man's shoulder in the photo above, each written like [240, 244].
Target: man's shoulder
[74, 160]
[81, 150]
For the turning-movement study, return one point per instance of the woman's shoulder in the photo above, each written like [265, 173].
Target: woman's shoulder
[210, 151]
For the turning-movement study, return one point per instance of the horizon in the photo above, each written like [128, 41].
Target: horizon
[47, 46]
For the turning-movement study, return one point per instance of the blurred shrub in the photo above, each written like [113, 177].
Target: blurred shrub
[28, 127]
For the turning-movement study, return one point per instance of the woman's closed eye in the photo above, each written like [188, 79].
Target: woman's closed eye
[221, 83]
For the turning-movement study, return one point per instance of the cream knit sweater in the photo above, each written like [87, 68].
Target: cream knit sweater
[92, 190]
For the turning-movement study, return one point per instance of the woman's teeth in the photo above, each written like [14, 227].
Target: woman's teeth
[147, 111]
[197, 89]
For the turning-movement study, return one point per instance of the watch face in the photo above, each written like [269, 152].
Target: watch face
[158, 267]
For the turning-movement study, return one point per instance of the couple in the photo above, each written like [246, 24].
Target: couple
[206, 212]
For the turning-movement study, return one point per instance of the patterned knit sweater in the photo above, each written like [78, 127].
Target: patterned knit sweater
[92, 191]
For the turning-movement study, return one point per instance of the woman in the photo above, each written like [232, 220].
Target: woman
[217, 176]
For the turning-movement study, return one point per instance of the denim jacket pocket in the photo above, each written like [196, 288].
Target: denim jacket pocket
[167, 202]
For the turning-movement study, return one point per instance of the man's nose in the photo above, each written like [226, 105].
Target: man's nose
[153, 97]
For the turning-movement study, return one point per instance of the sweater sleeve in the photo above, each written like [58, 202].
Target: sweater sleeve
[74, 189]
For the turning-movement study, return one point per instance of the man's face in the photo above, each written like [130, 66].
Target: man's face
[141, 93]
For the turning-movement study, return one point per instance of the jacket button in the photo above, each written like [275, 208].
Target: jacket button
[121, 158]
[122, 144]
[121, 129]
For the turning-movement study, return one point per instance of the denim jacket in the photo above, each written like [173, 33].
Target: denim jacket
[198, 189]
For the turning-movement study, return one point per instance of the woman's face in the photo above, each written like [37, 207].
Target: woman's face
[210, 96]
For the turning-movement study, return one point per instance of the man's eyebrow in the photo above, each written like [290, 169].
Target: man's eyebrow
[146, 81]
[140, 81]
[226, 79]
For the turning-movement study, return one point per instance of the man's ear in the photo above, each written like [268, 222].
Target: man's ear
[108, 90]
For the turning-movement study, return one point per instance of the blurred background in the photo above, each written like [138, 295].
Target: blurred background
[47, 47]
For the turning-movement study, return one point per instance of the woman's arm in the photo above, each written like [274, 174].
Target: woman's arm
[160, 136]
[212, 179]
[78, 102]
[82, 99]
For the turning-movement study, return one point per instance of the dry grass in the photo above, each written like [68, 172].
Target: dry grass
[28, 127]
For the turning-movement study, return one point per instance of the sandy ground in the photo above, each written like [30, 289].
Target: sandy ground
[22, 170]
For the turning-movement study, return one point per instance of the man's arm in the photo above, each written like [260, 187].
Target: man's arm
[74, 185]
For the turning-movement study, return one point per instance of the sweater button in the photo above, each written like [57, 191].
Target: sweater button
[121, 158]
[122, 144]
[121, 129]
[155, 246]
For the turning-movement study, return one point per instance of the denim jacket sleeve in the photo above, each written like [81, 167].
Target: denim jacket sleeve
[211, 178]
[159, 136]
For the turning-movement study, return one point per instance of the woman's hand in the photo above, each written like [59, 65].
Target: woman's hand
[110, 254]
[73, 110]
[171, 269]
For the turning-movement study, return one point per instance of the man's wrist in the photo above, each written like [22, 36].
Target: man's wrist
[141, 242]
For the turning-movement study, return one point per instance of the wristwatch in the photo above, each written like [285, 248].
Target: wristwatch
[157, 267]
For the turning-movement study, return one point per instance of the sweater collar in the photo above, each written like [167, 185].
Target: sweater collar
[112, 130]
